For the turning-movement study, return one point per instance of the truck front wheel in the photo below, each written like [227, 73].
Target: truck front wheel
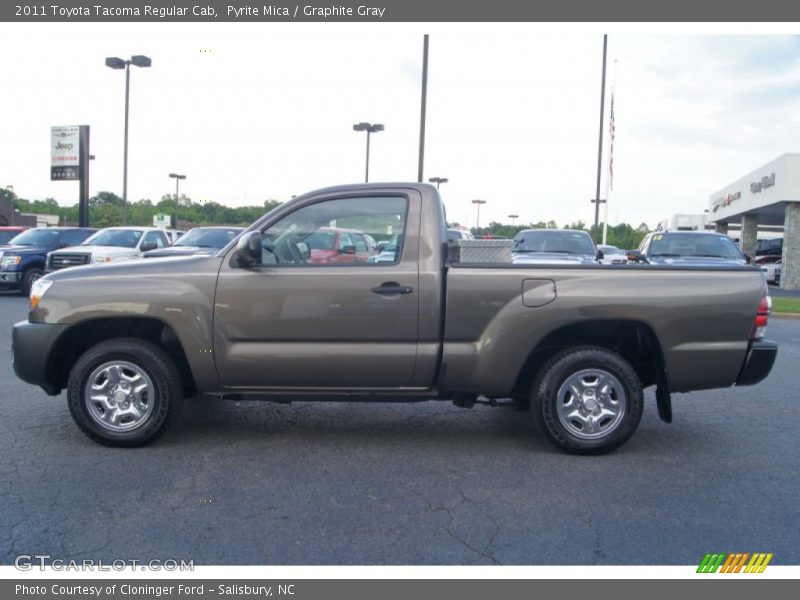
[587, 400]
[29, 277]
[124, 392]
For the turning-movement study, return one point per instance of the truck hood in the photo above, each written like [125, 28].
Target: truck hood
[180, 251]
[141, 270]
[99, 250]
[7, 249]
[551, 258]
[696, 261]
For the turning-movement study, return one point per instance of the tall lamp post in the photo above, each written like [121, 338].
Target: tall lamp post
[437, 180]
[10, 188]
[478, 218]
[117, 63]
[177, 179]
[513, 219]
[369, 128]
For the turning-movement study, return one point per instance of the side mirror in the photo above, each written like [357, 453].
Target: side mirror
[747, 258]
[348, 250]
[147, 246]
[600, 255]
[635, 256]
[248, 250]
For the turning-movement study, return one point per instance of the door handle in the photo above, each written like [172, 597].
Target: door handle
[392, 287]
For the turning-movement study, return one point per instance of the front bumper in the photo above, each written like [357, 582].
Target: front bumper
[758, 363]
[31, 345]
[10, 278]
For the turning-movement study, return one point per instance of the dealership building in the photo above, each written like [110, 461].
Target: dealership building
[767, 197]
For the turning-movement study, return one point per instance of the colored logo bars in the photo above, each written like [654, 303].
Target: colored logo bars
[734, 562]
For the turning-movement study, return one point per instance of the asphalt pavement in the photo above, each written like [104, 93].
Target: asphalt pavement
[427, 483]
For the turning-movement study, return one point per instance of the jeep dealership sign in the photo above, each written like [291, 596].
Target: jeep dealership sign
[64, 153]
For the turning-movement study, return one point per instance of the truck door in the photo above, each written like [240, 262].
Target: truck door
[290, 322]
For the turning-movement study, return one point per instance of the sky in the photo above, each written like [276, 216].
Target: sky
[250, 112]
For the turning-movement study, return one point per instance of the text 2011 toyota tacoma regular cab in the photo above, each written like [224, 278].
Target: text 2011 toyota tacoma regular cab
[260, 319]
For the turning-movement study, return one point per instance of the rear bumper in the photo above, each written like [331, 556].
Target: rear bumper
[758, 363]
[31, 344]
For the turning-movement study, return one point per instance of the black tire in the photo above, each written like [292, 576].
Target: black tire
[581, 364]
[166, 400]
[30, 275]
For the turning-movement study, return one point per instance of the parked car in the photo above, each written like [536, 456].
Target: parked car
[390, 252]
[772, 271]
[200, 240]
[113, 244]
[613, 255]
[173, 235]
[23, 261]
[688, 248]
[8, 233]
[575, 344]
[459, 234]
[341, 246]
[554, 246]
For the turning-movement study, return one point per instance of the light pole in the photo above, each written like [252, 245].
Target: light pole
[117, 63]
[478, 218]
[513, 219]
[13, 204]
[369, 128]
[437, 180]
[177, 179]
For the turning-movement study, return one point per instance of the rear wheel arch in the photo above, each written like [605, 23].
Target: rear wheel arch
[633, 340]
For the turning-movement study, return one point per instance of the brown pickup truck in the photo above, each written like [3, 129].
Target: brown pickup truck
[260, 319]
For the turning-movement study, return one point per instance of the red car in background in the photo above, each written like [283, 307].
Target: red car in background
[333, 245]
[9, 233]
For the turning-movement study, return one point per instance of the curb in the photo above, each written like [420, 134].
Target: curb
[785, 316]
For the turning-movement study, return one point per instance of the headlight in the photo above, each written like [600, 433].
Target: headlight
[10, 261]
[38, 289]
[101, 259]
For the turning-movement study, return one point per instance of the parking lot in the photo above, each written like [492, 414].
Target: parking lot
[259, 483]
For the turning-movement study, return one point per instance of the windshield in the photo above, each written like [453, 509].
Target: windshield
[208, 238]
[124, 238]
[693, 244]
[560, 242]
[37, 237]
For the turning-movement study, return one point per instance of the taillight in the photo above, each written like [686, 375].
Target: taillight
[762, 316]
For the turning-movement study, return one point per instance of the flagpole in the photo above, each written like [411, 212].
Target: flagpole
[610, 156]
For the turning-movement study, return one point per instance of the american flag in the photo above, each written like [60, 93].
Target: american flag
[611, 131]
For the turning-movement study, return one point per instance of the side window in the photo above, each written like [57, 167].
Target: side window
[361, 245]
[317, 234]
[155, 237]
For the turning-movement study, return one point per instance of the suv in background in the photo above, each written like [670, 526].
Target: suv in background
[23, 262]
[200, 240]
[689, 248]
[454, 235]
[554, 247]
[113, 244]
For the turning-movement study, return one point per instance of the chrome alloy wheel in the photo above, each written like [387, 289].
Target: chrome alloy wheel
[119, 396]
[591, 403]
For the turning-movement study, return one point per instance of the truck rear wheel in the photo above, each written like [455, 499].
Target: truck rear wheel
[124, 392]
[587, 400]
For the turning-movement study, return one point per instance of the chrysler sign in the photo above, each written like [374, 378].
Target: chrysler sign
[64, 153]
